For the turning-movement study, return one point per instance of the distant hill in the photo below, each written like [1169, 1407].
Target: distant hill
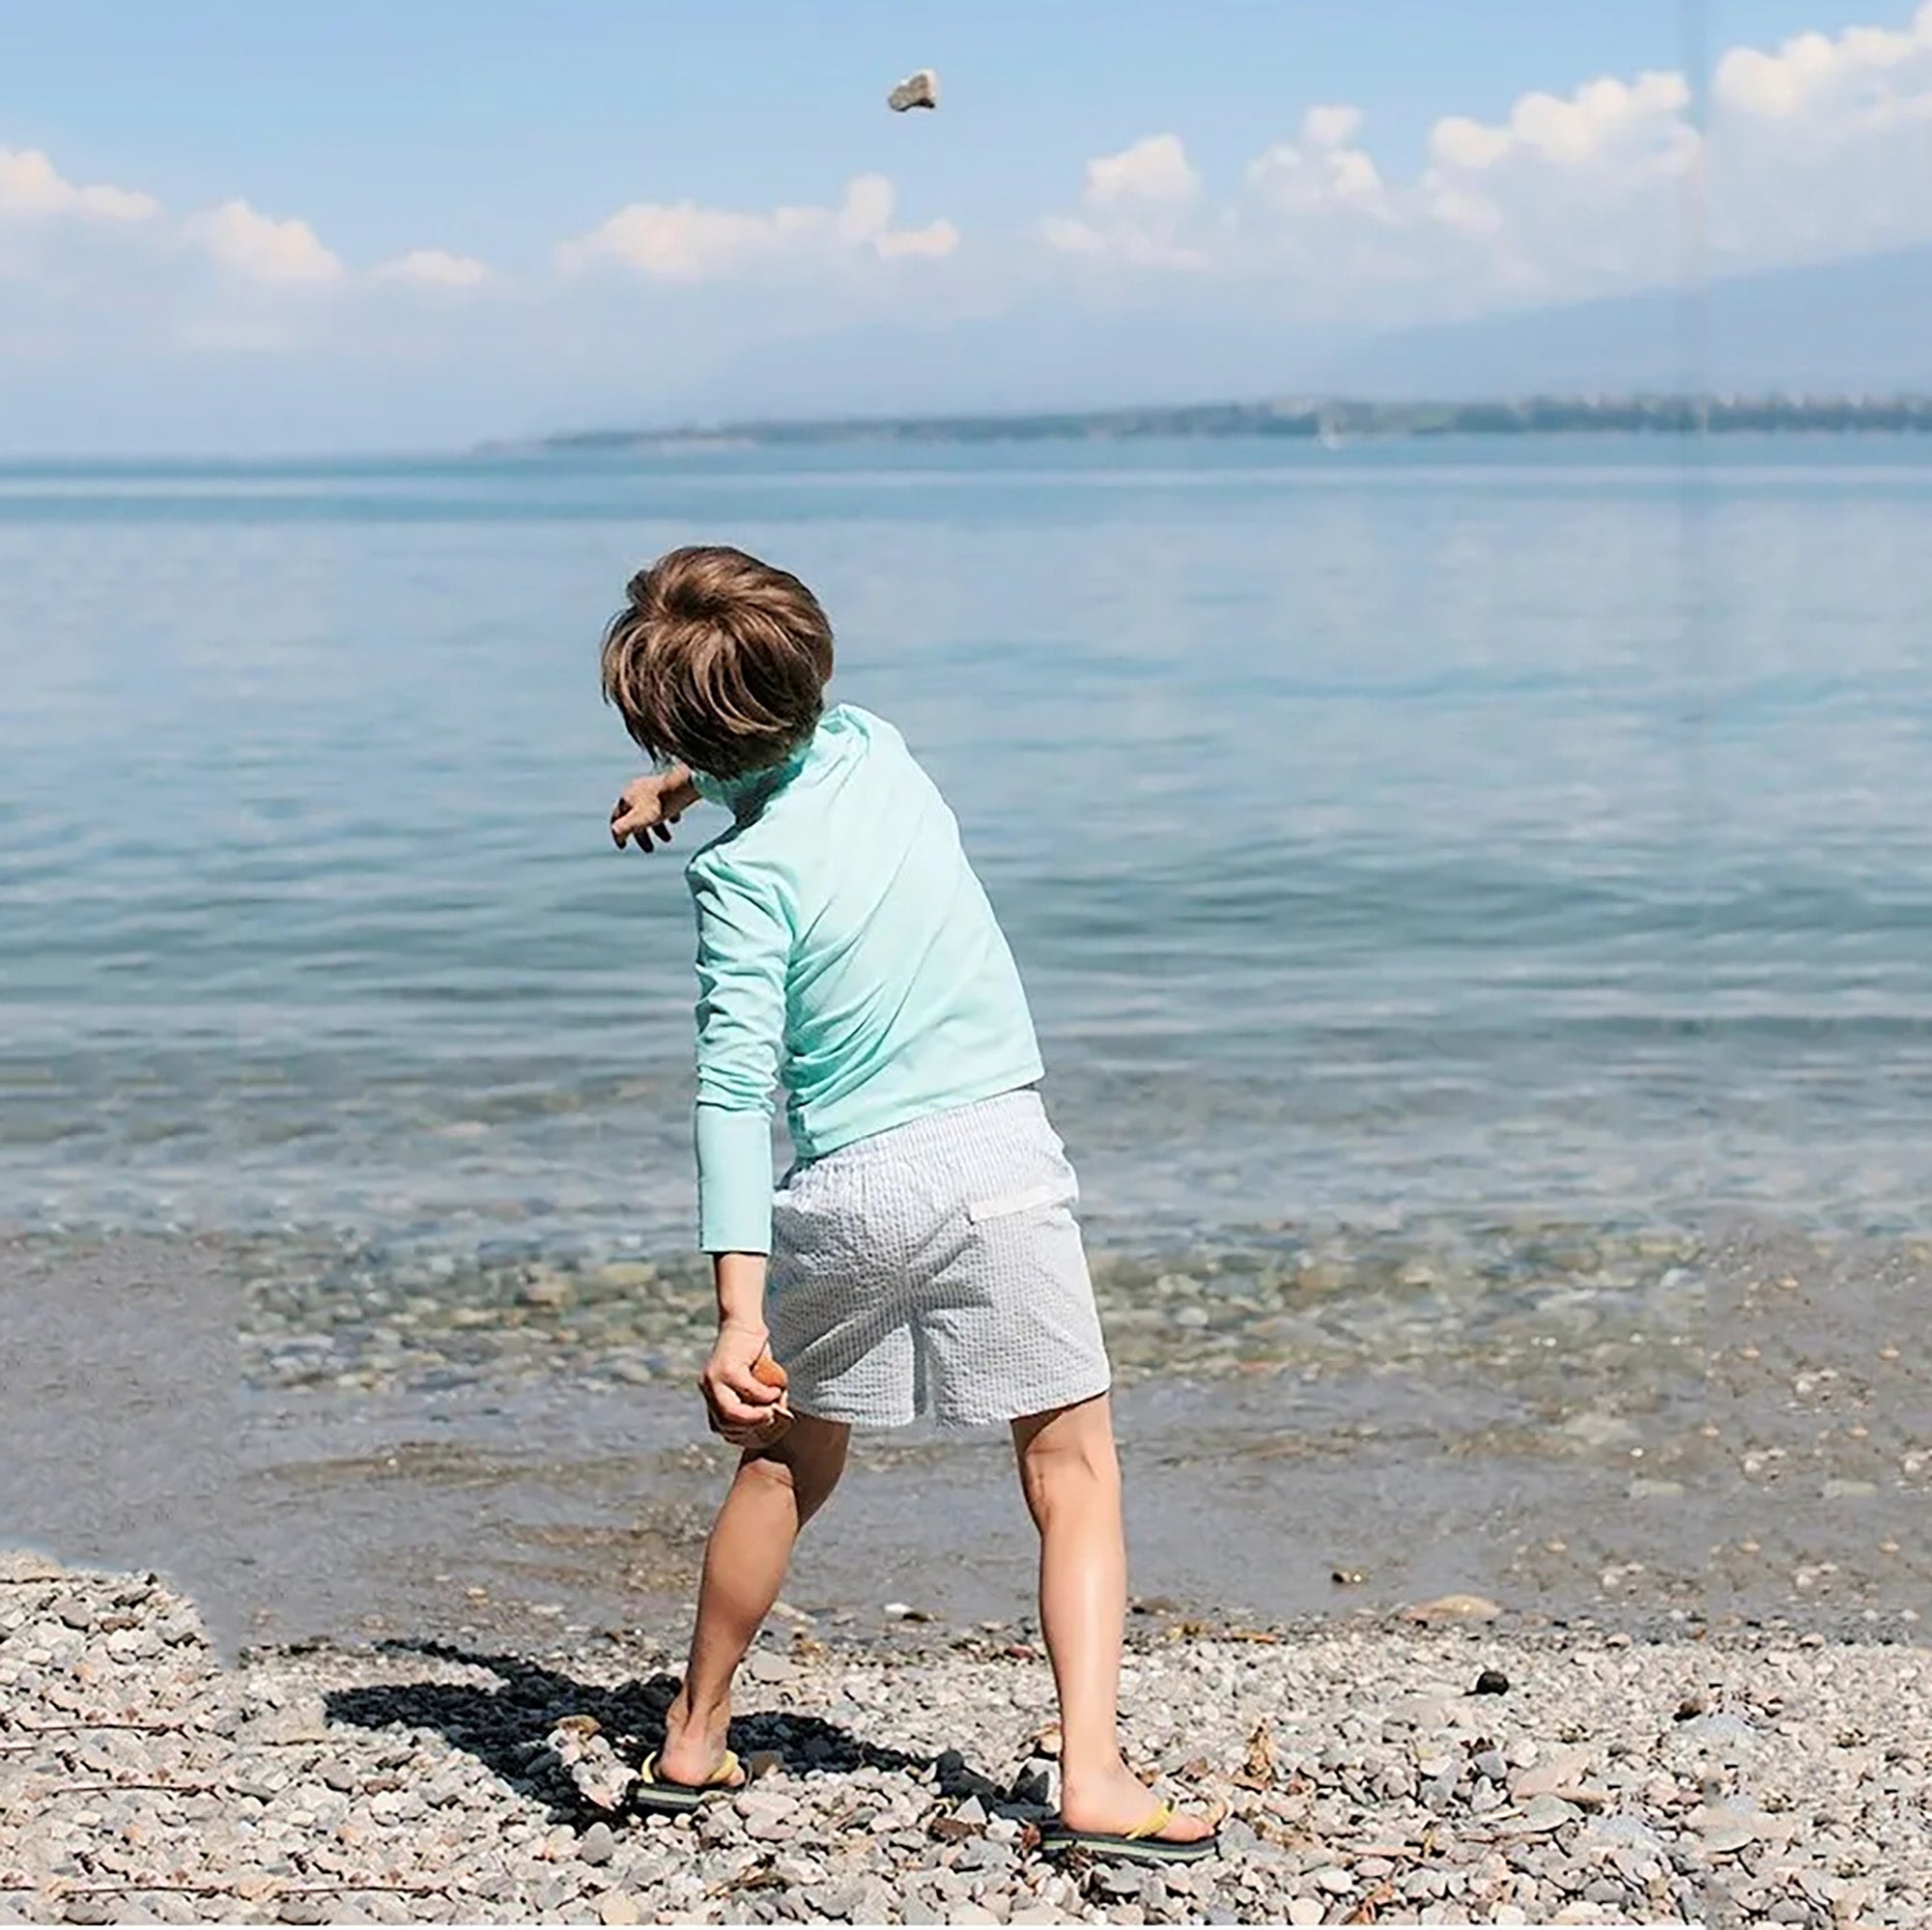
[1840, 328]
[1847, 328]
[1316, 419]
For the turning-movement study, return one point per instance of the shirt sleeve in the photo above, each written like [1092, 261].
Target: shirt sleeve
[744, 946]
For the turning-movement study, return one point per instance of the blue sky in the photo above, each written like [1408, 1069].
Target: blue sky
[262, 226]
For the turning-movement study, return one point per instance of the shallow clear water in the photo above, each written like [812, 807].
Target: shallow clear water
[1408, 839]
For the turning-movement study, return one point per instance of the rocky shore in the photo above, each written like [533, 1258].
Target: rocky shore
[1455, 1768]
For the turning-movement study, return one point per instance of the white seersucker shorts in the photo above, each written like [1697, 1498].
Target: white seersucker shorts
[936, 1268]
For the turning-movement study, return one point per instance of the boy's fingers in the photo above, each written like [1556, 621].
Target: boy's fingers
[642, 820]
[761, 1437]
[730, 1404]
[636, 827]
[747, 1385]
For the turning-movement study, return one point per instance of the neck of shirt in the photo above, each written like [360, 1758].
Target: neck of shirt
[751, 788]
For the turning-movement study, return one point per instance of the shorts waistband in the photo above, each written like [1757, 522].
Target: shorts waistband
[930, 1131]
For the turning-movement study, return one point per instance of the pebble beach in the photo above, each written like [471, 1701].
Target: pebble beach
[1450, 1765]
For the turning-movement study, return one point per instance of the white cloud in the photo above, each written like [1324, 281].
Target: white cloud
[1810, 68]
[1823, 146]
[433, 268]
[245, 245]
[1154, 171]
[1332, 126]
[1569, 195]
[932, 242]
[685, 242]
[261, 249]
[1602, 118]
[1136, 208]
[31, 186]
[1320, 170]
[1817, 148]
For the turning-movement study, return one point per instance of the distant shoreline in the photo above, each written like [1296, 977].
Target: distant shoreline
[1322, 421]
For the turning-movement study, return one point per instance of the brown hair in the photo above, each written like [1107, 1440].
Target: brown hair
[718, 660]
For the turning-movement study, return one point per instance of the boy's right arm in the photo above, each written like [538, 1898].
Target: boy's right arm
[743, 945]
[648, 806]
[747, 1411]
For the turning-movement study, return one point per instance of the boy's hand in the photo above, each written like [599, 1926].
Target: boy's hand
[648, 806]
[744, 1410]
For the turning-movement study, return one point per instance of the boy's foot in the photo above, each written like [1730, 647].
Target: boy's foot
[695, 1749]
[1121, 1804]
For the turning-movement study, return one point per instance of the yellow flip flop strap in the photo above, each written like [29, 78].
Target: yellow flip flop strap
[723, 1776]
[1153, 1825]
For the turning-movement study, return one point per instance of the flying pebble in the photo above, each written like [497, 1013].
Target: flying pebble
[918, 90]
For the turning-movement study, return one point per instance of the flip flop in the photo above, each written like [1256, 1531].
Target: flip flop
[679, 1799]
[1143, 1844]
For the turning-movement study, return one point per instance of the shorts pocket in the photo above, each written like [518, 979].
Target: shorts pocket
[1003, 1205]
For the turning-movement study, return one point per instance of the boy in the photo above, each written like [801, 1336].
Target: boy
[923, 1254]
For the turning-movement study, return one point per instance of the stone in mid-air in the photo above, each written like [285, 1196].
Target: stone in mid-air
[918, 90]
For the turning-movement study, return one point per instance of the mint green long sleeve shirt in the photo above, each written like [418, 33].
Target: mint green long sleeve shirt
[846, 951]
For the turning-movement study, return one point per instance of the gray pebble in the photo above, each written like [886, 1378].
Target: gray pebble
[1544, 1813]
[982, 1854]
[1719, 1732]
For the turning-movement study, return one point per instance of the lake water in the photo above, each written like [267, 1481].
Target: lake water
[1423, 835]
[1446, 875]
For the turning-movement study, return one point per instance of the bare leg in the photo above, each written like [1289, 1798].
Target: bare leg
[1072, 1482]
[776, 1493]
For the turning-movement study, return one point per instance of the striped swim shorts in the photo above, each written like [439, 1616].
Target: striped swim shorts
[936, 1270]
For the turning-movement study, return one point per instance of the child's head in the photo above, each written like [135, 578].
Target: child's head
[717, 661]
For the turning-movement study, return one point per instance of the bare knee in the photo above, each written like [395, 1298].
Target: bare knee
[1067, 1460]
[803, 1467]
[761, 1467]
